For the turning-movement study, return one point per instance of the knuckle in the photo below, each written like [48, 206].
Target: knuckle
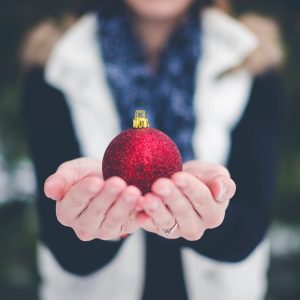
[232, 189]
[104, 236]
[194, 235]
[113, 220]
[62, 218]
[215, 220]
[223, 170]
[182, 211]
[129, 228]
[116, 182]
[64, 166]
[77, 203]
[165, 224]
[84, 235]
[199, 201]
[126, 228]
[97, 212]
[189, 189]
[75, 200]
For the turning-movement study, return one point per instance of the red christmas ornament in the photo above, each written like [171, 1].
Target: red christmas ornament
[141, 155]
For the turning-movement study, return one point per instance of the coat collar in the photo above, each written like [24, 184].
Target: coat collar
[226, 42]
[76, 68]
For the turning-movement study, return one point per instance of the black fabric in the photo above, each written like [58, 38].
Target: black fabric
[164, 276]
[52, 141]
[252, 164]
[109, 8]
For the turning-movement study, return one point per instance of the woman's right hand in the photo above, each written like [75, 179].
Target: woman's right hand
[94, 208]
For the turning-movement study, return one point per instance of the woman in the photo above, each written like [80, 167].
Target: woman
[190, 71]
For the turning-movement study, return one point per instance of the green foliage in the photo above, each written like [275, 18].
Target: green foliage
[18, 275]
[16, 18]
[11, 129]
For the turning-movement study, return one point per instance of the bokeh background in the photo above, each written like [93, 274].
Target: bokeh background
[18, 226]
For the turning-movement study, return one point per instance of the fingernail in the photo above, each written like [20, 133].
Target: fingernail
[112, 190]
[130, 199]
[181, 182]
[52, 196]
[153, 206]
[93, 187]
[222, 192]
[138, 208]
[51, 183]
[165, 191]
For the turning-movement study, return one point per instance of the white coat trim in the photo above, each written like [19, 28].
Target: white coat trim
[121, 279]
[213, 280]
[220, 102]
[76, 69]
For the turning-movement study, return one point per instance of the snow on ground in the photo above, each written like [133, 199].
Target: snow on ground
[18, 183]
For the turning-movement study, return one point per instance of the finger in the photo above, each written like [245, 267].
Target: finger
[216, 177]
[190, 225]
[77, 199]
[145, 222]
[89, 221]
[155, 208]
[68, 174]
[205, 171]
[194, 189]
[120, 212]
[211, 212]
[131, 225]
[222, 188]
[55, 187]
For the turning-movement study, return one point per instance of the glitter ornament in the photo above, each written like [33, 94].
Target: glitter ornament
[141, 155]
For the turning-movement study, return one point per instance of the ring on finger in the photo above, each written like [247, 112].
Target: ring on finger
[169, 232]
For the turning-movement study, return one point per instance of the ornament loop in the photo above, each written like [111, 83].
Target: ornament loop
[140, 120]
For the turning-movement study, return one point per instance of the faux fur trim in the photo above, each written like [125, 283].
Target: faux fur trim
[269, 54]
[38, 43]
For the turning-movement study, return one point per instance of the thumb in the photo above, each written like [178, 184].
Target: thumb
[222, 188]
[70, 173]
[55, 187]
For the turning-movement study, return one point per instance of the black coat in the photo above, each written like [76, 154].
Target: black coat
[252, 164]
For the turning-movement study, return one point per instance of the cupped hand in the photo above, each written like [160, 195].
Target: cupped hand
[189, 203]
[94, 208]
[184, 206]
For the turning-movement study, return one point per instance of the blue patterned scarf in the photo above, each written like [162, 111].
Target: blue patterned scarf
[166, 94]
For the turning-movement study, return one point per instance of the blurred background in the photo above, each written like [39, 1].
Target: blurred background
[18, 228]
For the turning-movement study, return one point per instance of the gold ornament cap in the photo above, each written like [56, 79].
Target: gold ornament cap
[140, 120]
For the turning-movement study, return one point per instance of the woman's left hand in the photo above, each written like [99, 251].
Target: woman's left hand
[189, 203]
